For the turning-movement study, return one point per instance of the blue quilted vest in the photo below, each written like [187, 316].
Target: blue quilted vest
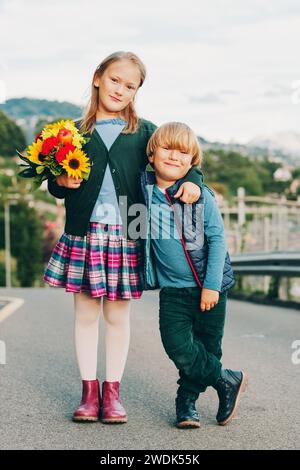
[194, 242]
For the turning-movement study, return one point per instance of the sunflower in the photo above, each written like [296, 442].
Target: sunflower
[34, 152]
[76, 163]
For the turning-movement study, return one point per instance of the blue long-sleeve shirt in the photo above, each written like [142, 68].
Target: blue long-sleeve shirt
[172, 267]
[106, 209]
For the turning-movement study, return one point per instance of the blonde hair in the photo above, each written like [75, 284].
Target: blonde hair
[129, 114]
[176, 135]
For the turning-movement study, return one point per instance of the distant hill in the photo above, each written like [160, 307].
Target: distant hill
[284, 145]
[283, 150]
[30, 113]
[27, 112]
[24, 108]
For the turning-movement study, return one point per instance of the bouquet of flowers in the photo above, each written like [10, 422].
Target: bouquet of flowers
[56, 149]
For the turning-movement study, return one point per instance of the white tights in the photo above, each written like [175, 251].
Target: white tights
[117, 335]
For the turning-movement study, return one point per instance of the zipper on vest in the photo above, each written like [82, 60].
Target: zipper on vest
[183, 243]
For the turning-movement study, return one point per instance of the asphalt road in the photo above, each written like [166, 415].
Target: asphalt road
[40, 383]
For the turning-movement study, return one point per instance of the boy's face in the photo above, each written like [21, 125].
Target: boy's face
[170, 164]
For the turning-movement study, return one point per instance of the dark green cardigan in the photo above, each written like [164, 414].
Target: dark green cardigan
[126, 158]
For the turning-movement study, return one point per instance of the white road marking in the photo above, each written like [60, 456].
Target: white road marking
[14, 304]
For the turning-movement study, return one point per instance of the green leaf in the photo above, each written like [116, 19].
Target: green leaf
[86, 175]
[37, 181]
[55, 172]
[25, 159]
[36, 184]
[27, 173]
[40, 169]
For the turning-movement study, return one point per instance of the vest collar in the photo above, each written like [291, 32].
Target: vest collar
[151, 180]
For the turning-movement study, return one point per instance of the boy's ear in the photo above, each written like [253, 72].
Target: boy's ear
[151, 161]
[150, 157]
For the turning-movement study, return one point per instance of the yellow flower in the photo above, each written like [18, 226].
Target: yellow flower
[76, 163]
[51, 130]
[70, 125]
[77, 140]
[34, 150]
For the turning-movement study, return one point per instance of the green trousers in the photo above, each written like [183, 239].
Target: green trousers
[192, 338]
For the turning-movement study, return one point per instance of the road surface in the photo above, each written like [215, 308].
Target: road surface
[40, 383]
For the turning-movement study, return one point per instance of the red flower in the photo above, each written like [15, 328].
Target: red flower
[49, 144]
[63, 151]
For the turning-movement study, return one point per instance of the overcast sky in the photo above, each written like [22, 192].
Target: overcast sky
[225, 67]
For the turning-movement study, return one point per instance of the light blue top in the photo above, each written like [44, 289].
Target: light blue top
[172, 266]
[106, 209]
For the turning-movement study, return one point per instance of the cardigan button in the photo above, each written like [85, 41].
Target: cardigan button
[113, 170]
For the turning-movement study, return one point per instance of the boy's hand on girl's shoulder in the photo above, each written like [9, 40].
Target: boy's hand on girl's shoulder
[188, 192]
[209, 298]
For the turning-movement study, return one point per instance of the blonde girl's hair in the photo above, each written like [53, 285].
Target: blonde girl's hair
[128, 114]
[178, 136]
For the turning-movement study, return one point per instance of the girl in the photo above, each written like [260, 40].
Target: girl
[97, 256]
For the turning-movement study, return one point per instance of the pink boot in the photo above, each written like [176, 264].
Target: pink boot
[88, 409]
[112, 410]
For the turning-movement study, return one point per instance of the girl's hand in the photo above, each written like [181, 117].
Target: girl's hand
[68, 181]
[209, 298]
[189, 192]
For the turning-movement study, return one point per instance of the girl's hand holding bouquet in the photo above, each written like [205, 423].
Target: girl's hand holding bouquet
[57, 153]
[68, 181]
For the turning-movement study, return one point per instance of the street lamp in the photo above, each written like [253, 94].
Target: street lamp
[9, 199]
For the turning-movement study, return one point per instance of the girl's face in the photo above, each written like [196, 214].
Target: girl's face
[118, 86]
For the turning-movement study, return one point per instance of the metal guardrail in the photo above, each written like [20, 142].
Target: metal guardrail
[280, 263]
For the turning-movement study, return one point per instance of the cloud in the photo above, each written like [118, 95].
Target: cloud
[277, 91]
[210, 63]
[228, 92]
[208, 98]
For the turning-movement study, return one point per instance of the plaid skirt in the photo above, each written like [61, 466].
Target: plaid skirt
[103, 263]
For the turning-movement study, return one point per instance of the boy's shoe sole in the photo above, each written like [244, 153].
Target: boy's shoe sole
[243, 386]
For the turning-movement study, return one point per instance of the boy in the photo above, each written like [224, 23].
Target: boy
[185, 256]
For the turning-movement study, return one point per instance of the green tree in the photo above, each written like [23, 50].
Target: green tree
[296, 173]
[266, 170]
[232, 170]
[11, 137]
